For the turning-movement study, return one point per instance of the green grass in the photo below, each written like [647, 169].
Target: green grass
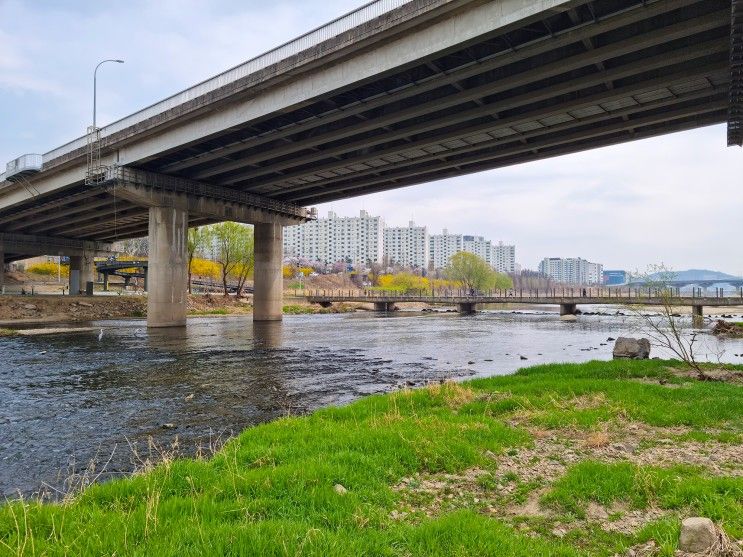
[270, 491]
[674, 487]
[297, 309]
[215, 311]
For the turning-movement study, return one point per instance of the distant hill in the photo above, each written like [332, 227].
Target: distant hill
[696, 274]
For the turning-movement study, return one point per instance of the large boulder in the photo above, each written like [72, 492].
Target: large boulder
[698, 535]
[627, 348]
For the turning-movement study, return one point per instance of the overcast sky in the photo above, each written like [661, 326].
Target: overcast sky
[676, 199]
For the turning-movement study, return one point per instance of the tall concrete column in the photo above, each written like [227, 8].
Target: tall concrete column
[81, 272]
[269, 284]
[167, 267]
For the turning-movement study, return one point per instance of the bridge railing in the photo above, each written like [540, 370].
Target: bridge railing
[516, 294]
[291, 48]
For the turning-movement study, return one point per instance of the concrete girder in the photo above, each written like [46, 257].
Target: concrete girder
[32, 244]
[123, 226]
[560, 67]
[720, 99]
[480, 155]
[88, 220]
[547, 112]
[515, 102]
[570, 86]
[539, 155]
[150, 189]
[139, 230]
[32, 223]
[494, 61]
[437, 36]
[49, 205]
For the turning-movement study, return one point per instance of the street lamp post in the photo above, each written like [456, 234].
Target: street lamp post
[95, 74]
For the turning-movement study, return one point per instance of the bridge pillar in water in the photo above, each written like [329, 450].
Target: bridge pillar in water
[2, 268]
[167, 268]
[466, 308]
[81, 272]
[697, 316]
[269, 282]
[384, 306]
[567, 309]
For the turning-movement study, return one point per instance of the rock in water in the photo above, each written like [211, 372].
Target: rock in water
[627, 348]
[698, 535]
[569, 318]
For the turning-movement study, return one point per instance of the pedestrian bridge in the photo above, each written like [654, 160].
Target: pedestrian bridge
[567, 298]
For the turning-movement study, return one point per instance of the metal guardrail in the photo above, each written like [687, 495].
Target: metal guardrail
[332, 29]
[175, 184]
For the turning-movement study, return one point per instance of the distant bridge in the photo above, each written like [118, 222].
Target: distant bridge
[568, 298]
[736, 282]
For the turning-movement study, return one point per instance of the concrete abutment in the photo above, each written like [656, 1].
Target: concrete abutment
[167, 267]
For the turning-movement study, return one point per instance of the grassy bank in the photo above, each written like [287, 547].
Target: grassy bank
[560, 460]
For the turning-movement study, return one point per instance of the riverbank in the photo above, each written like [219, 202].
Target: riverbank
[33, 310]
[572, 459]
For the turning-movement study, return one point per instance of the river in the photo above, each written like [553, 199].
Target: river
[69, 400]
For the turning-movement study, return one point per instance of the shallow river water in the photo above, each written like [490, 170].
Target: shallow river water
[67, 400]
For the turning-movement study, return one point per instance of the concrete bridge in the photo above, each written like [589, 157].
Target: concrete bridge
[734, 282]
[122, 269]
[396, 93]
[567, 299]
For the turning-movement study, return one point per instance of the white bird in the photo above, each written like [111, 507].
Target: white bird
[100, 335]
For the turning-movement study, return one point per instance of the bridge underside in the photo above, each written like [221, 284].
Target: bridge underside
[593, 74]
[600, 73]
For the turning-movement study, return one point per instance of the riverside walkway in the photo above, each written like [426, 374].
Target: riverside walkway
[567, 298]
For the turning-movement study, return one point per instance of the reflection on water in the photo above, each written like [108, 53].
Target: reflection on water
[69, 398]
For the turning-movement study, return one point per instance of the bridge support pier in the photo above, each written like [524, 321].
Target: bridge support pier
[697, 316]
[168, 267]
[384, 306]
[269, 284]
[466, 308]
[81, 272]
[2, 268]
[568, 309]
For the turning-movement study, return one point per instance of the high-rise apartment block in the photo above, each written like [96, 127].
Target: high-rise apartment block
[364, 240]
[443, 246]
[572, 270]
[355, 240]
[406, 246]
[499, 256]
